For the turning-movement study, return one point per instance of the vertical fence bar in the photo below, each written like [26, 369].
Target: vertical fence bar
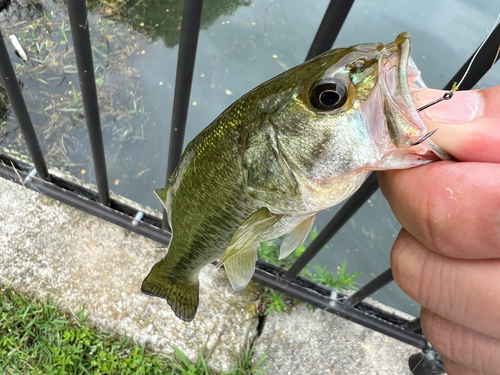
[77, 10]
[345, 213]
[11, 85]
[484, 60]
[330, 26]
[413, 325]
[190, 29]
[369, 288]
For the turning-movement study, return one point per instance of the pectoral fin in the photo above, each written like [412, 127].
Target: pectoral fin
[247, 232]
[296, 237]
[241, 267]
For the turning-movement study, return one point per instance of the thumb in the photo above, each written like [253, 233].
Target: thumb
[469, 123]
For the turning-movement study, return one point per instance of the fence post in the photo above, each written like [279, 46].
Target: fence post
[11, 84]
[78, 18]
[190, 29]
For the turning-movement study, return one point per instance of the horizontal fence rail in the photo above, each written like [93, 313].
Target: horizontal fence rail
[266, 274]
[101, 205]
[84, 199]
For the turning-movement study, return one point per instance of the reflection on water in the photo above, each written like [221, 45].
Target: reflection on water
[52, 88]
[4, 111]
[241, 44]
[162, 19]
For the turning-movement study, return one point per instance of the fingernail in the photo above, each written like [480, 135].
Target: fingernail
[464, 106]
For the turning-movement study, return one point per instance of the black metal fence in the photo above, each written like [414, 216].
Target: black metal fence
[101, 205]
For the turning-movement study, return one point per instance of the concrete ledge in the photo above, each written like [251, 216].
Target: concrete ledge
[320, 343]
[50, 249]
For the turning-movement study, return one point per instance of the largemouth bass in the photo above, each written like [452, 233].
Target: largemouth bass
[297, 144]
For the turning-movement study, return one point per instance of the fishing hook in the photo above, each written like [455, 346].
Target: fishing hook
[447, 96]
[424, 137]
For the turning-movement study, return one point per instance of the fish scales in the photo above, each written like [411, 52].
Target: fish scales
[216, 204]
[299, 143]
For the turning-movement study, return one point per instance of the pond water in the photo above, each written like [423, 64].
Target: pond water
[242, 43]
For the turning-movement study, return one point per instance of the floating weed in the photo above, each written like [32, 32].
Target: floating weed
[75, 96]
[54, 103]
[63, 33]
[22, 40]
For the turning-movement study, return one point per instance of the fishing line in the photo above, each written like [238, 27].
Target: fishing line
[491, 67]
[418, 364]
[449, 94]
[475, 55]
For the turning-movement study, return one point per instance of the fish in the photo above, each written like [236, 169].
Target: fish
[299, 143]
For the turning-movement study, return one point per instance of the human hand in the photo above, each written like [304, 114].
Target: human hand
[447, 256]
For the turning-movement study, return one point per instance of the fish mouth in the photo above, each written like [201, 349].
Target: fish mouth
[399, 79]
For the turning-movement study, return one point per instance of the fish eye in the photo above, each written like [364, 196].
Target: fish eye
[328, 95]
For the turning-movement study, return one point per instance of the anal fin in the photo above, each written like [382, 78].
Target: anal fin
[240, 268]
[181, 296]
[296, 237]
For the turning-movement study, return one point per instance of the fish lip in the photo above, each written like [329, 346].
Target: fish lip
[407, 71]
[399, 79]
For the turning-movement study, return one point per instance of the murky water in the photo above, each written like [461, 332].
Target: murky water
[241, 44]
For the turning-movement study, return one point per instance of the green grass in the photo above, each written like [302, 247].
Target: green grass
[341, 281]
[276, 301]
[270, 251]
[37, 337]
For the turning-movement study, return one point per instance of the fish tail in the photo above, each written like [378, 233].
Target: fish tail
[181, 296]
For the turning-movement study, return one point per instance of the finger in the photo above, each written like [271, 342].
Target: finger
[467, 351]
[452, 208]
[469, 123]
[454, 368]
[463, 291]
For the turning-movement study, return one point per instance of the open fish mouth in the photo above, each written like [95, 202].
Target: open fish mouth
[399, 79]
